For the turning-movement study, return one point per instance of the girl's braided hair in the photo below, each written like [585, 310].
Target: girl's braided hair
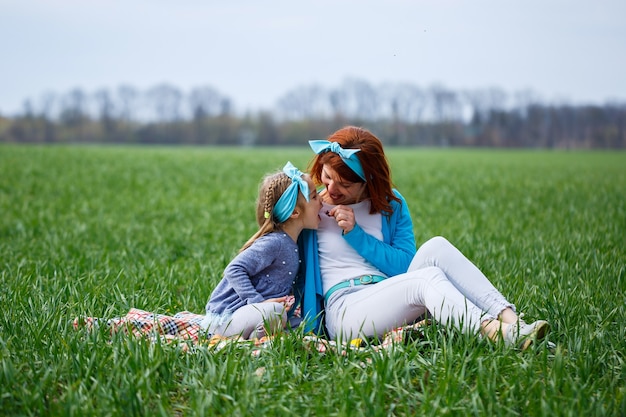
[271, 189]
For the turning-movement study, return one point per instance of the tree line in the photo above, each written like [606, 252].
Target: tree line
[400, 114]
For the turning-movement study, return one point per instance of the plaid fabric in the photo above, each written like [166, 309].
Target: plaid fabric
[185, 326]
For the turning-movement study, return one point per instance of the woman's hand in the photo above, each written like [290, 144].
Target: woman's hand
[344, 216]
[287, 301]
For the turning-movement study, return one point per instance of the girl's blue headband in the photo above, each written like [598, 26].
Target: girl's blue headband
[287, 202]
[348, 156]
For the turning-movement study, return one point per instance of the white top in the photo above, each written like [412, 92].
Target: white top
[338, 260]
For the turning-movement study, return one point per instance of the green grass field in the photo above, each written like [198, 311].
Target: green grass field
[98, 230]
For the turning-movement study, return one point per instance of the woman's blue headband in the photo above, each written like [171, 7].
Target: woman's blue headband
[287, 202]
[348, 156]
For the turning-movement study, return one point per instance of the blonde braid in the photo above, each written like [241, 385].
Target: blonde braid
[268, 205]
[272, 187]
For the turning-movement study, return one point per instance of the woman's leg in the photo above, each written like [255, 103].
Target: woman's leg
[254, 321]
[373, 310]
[465, 276]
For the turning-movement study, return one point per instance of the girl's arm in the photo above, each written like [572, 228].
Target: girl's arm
[245, 265]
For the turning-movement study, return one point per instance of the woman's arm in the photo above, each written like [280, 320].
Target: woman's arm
[393, 255]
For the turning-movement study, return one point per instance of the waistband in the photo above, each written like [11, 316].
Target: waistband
[362, 280]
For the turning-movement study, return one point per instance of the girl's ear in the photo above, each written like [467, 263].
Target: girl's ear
[295, 214]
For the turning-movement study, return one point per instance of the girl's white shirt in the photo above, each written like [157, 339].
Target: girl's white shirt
[338, 260]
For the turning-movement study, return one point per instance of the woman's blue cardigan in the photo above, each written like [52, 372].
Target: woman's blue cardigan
[391, 256]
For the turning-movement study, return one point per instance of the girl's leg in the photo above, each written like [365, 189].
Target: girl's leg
[254, 321]
[465, 276]
[373, 310]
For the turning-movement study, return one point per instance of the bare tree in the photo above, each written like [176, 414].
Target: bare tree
[362, 99]
[407, 101]
[48, 101]
[165, 100]
[106, 113]
[304, 102]
[74, 115]
[128, 102]
[204, 102]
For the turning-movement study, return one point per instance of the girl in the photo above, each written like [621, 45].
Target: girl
[254, 295]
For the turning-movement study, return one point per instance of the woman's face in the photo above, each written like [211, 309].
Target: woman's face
[340, 191]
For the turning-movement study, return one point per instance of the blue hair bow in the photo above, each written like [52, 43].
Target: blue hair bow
[287, 202]
[348, 156]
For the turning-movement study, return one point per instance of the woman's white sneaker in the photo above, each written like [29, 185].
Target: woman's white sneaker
[522, 334]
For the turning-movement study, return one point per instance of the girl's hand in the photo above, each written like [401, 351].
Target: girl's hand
[287, 301]
[344, 216]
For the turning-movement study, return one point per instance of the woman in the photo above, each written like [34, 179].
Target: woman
[361, 267]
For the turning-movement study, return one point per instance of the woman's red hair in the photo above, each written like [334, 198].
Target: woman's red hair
[373, 160]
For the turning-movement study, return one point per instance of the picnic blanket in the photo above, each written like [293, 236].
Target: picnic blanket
[185, 327]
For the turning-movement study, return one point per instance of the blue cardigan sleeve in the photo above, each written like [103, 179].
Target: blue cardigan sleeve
[394, 254]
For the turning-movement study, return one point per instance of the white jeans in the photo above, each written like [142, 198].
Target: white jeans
[440, 281]
[250, 321]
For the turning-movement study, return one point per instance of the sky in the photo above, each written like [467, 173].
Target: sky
[256, 51]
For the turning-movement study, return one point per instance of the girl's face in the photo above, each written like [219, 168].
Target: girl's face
[340, 191]
[311, 208]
